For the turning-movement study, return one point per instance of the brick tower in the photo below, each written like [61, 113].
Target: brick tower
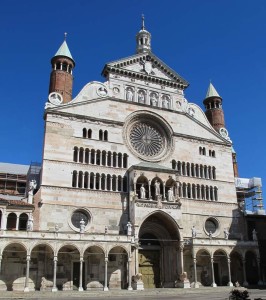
[61, 78]
[213, 106]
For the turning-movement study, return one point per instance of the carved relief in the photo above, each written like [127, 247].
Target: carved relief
[141, 96]
[129, 94]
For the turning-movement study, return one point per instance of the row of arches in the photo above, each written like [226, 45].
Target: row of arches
[63, 66]
[221, 268]
[97, 181]
[87, 134]
[67, 268]
[13, 221]
[199, 192]
[194, 170]
[100, 158]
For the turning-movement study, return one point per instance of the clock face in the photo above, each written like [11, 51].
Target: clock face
[55, 98]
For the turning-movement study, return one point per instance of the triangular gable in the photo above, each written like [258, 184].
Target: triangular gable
[145, 64]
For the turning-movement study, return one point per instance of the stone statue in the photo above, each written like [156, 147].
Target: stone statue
[30, 223]
[157, 188]
[141, 97]
[129, 95]
[226, 233]
[56, 228]
[254, 235]
[210, 234]
[170, 195]
[154, 100]
[82, 226]
[165, 102]
[193, 231]
[32, 185]
[142, 192]
[129, 229]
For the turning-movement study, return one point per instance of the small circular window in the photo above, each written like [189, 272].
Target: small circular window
[211, 225]
[79, 215]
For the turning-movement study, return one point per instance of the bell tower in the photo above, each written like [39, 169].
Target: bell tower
[213, 106]
[143, 39]
[61, 78]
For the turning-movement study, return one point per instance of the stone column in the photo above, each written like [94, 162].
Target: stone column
[116, 184]
[89, 156]
[4, 219]
[149, 188]
[163, 190]
[229, 272]
[17, 222]
[0, 263]
[105, 274]
[245, 283]
[136, 259]
[54, 289]
[80, 274]
[213, 278]
[181, 248]
[26, 288]
[94, 181]
[129, 274]
[101, 160]
[105, 182]
[196, 285]
[106, 159]
[111, 160]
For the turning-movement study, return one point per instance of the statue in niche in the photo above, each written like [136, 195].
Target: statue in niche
[141, 97]
[254, 235]
[170, 195]
[129, 94]
[142, 192]
[157, 187]
[210, 234]
[165, 101]
[154, 101]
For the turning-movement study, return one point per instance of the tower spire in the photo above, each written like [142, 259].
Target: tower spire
[61, 78]
[143, 38]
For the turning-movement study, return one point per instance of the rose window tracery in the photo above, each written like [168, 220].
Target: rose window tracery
[146, 140]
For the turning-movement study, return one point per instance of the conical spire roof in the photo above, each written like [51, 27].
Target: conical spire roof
[64, 50]
[212, 92]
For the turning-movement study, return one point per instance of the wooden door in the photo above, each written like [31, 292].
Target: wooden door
[149, 267]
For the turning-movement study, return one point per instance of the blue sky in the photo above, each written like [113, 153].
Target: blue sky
[221, 40]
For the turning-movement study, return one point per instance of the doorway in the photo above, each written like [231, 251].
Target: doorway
[149, 267]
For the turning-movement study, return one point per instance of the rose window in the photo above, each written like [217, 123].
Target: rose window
[146, 140]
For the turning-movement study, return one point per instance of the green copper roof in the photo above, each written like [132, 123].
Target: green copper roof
[64, 51]
[212, 92]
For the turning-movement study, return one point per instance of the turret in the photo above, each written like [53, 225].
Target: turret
[143, 39]
[61, 78]
[213, 106]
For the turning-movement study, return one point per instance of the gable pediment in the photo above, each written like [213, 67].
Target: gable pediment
[148, 67]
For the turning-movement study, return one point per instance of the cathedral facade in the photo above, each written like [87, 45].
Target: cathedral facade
[137, 188]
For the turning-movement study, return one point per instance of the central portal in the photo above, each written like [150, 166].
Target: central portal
[149, 267]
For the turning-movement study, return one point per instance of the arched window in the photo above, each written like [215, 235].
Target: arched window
[184, 169]
[98, 157]
[109, 159]
[210, 172]
[200, 150]
[179, 167]
[100, 135]
[81, 153]
[84, 133]
[114, 183]
[86, 180]
[80, 179]
[207, 193]
[125, 160]
[64, 67]
[75, 154]
[188, 169]
[204, 151]
[205, 172]
[189, 190]
[104, 158]
[92, 181]
[93, 160]
[184, 188]
[74, 179]
[89, 134]
[197, 170]
[114, 159]
[215, 193]
[213, 173]
[213, 153]
[193, 170]
[109, 182]
[87, 154]
[105, 135]
[97, 183]
[119, 188]
[193, 191]
[198, 192]
[201, 171]
[202, 192]
[23, 219]
[211, 193]
[173, 164]
[103, 182]
[11, 221]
